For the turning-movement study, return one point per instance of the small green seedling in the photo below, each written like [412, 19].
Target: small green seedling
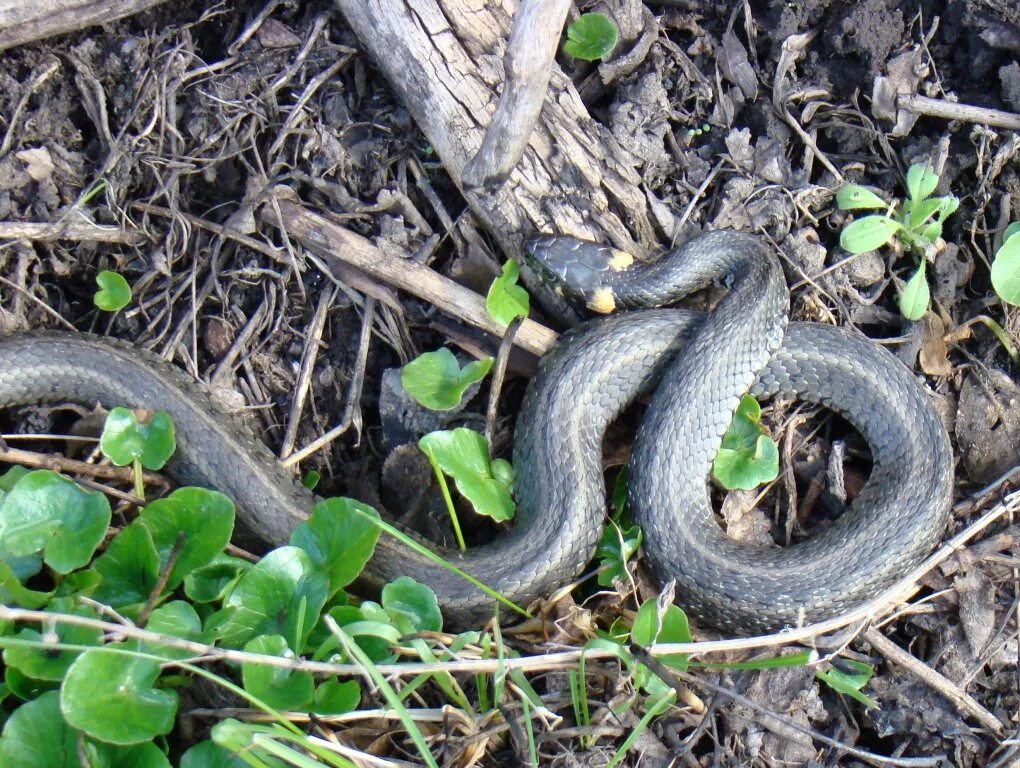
[747, 457]
[114, 292]
[1006, 266]
[621, 537]
[141, 440]
[591, 37]
[436, 380]
[463, 454]
[916, 224]
[506, 301]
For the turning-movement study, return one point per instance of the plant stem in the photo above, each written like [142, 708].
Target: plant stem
[445, 489]
[1000, 333]
[136, 472]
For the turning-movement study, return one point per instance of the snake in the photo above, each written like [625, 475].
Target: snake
[695, 367]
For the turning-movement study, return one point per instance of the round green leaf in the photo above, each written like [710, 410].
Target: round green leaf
[340, 537]
[134, 756]
[126, 437]
[335, 698]
[463, 455]
[114, 293]
[591, 37]
[736, 469]
[280, 688]
[26, 688]
[45, 662]
[129, 567]
[281, 595]
[368, 614]
[868, 233]
[207, 754]
[213, 581]
[110, 697]
[177, 618]
[47, 512]
[436, 380]
[855, 197]
[202, 520]
[1006, 268]
[417, 601]
[915, 297]
[36, 736]
[13, 592]
[647, 628]
[506, 300]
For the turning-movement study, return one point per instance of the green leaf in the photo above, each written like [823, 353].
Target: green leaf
[915, 297]
[338, 539]
[672, 627]
[309, 481]
[177, 618]
[12, 592]
[335, 698]
[1006, 267]
[616, 547]
[281, 595]
[618, 501]
[45, 662]
[199, 519]
[135, 756]
[747, 457]
[436, 380]
[49, 513]
[280, 688]
[129, 567]
[416, 601]
[127, 437]
[237, 738]
[506, 300]
[36, 736]
[207, 754]
[921, 181]
[114, 293]
[923, 210]
[110, 697]
[26, 688]
[1011, 230]
[368, 614]
[849, 683]
[868, 233]
[11, 477]
[463, 455]
[591, 37]
[854, 197]
[213, 581]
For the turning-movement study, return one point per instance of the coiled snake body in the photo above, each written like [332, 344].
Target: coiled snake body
[701, 366]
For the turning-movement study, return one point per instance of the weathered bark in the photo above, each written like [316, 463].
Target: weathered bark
[527, 66]
[25, 21]
[444, 59]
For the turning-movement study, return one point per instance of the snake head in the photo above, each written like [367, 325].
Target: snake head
[581, 271]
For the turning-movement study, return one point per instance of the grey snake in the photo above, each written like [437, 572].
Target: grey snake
[698, 365]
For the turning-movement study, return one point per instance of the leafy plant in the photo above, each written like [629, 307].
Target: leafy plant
[621, 537]
[591, 37]
[114, 292]
[1006, 266]
[506, 300]
[916, 224]
[747, 457]
[463, 454]
[139, 438]
[436, 380]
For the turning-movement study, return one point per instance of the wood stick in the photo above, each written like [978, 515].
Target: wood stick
[336, 245]
[943, 685]
[922, 105]
[85, 231]
[527, 66]
[24, 21]
[443, 59]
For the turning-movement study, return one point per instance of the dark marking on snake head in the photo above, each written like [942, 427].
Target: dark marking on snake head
[584, 272]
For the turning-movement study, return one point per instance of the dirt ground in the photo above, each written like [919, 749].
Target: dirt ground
[172, 123]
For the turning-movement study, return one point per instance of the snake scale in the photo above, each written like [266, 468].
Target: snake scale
[699, 366]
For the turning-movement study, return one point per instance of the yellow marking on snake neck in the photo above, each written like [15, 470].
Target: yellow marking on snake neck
[602, 301]
[620, 260]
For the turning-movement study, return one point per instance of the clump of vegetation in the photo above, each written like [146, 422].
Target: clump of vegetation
[914, 224]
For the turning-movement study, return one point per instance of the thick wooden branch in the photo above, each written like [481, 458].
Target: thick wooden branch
[527, 67]
[444, 60]
[25, 21]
